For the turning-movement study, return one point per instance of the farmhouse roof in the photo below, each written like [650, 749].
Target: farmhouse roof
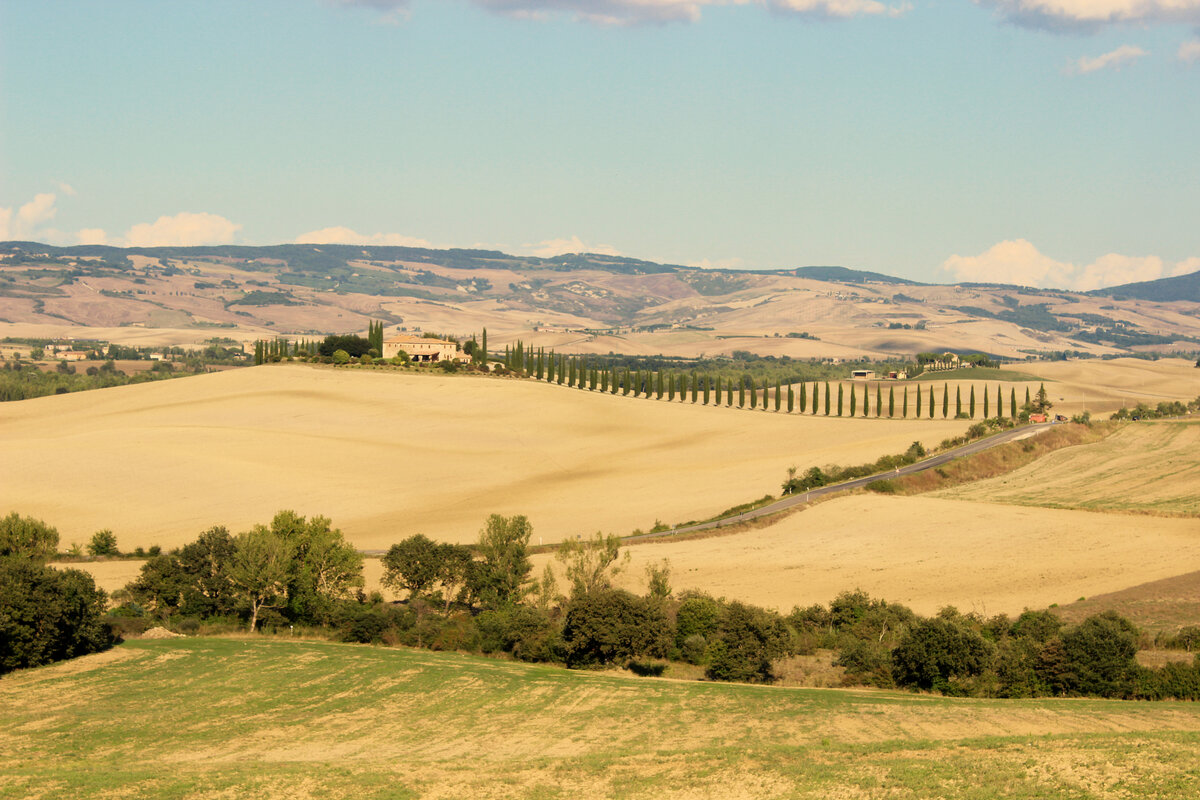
[407, 338]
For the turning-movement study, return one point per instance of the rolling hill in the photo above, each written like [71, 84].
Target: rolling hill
[582, 303]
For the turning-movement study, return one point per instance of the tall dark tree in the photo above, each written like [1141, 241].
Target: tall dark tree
[803, 399]
[971, 407]
[504, 570]
[791, 399]
[985, 403]
[853, 401]
[957, 402]
[879, 401]
[827, 398]
[483, 347]
[742, 392]
[841, 397]
[946, 401]
[931, 401]
[1012, 403]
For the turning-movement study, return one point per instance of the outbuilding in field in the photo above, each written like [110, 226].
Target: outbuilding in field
[862, 375]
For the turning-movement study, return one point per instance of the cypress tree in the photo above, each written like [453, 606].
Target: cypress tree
[550, 368]
[625, 381]
[999, 401]
[595, 379]
[931, 401]
[841, 388]
[729, 394]
[827, 398]
[695, 389]
[957, 402]
[791, 399]
[742, 392]
[904, 413]
[879, 400]
[891, 401]
[571, 373]
[753, 392]
[918, 402]
[946, 401]
[507, 358]
[803, 397]
[707, 390]
[985, 402]
[562, 370]
[1012, 403]
[659, 387]
[604, 380]
[1028, 402]
[972, 402]
[670, 388]
[866, 401]
[853, 401]
[483, 346]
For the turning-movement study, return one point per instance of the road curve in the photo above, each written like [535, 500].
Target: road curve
[791, 501]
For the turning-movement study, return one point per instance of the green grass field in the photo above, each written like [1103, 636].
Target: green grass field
[981, 374]
[262, 718]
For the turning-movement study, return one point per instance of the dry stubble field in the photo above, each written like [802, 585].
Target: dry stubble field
[387, 455]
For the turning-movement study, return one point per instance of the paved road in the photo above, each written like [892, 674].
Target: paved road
[799, 499]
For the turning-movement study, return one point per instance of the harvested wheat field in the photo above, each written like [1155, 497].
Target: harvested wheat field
[387, 454]
[928, 553]
[1145, 467]
[261, 718]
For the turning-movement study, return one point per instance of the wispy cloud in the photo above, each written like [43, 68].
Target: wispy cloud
[1018, 262]
[1114, 59]
[1093, 14]
[573, 244]
[634, 12]
[343, 235]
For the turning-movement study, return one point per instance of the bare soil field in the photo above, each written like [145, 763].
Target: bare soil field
[1145, 467]
[386, 455]
[262, 718]
[1168, 604]
[927, 553]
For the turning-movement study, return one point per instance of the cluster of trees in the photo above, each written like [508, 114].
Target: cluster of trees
[46, 614]
[25, 381]
[1165, 409]
[1034, 655]
[293, 571]
[816, 477]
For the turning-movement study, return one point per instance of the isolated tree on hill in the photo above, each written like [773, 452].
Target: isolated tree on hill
[972, 407]
[103, 543]
[259, 571]
[503, 544]
[591, 564]
[27, 538]
[411, 565]
[1042, 400]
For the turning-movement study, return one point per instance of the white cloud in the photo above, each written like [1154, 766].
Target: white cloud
[1189, 51]
[22, 222]
[185, 229]
[343, 235]
[1125, 54]
[1068, 14]
[1187, 266]
[67, 189]
[632, 12]
[92, 236]
[557, 247]
[1019, 262]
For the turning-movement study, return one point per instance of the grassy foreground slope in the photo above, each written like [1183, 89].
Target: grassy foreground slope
[387, 455]
[1147, 467]
[212, 718]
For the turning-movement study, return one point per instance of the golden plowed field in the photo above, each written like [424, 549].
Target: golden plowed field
[387, 455]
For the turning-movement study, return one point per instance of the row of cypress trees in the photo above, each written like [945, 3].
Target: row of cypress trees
[578, 372]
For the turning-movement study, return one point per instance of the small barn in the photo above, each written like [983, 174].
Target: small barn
[862, 375]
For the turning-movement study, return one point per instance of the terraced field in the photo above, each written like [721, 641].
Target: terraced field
[255, 718]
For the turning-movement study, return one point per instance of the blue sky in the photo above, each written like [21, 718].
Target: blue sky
[1048, 142]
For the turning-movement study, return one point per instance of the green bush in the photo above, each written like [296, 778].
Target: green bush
[935, 651]
[613, 625]
[748, 639]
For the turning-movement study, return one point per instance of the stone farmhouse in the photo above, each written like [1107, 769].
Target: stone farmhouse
[420, 348]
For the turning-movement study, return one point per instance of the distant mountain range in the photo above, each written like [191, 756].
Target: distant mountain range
[1163, 290]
